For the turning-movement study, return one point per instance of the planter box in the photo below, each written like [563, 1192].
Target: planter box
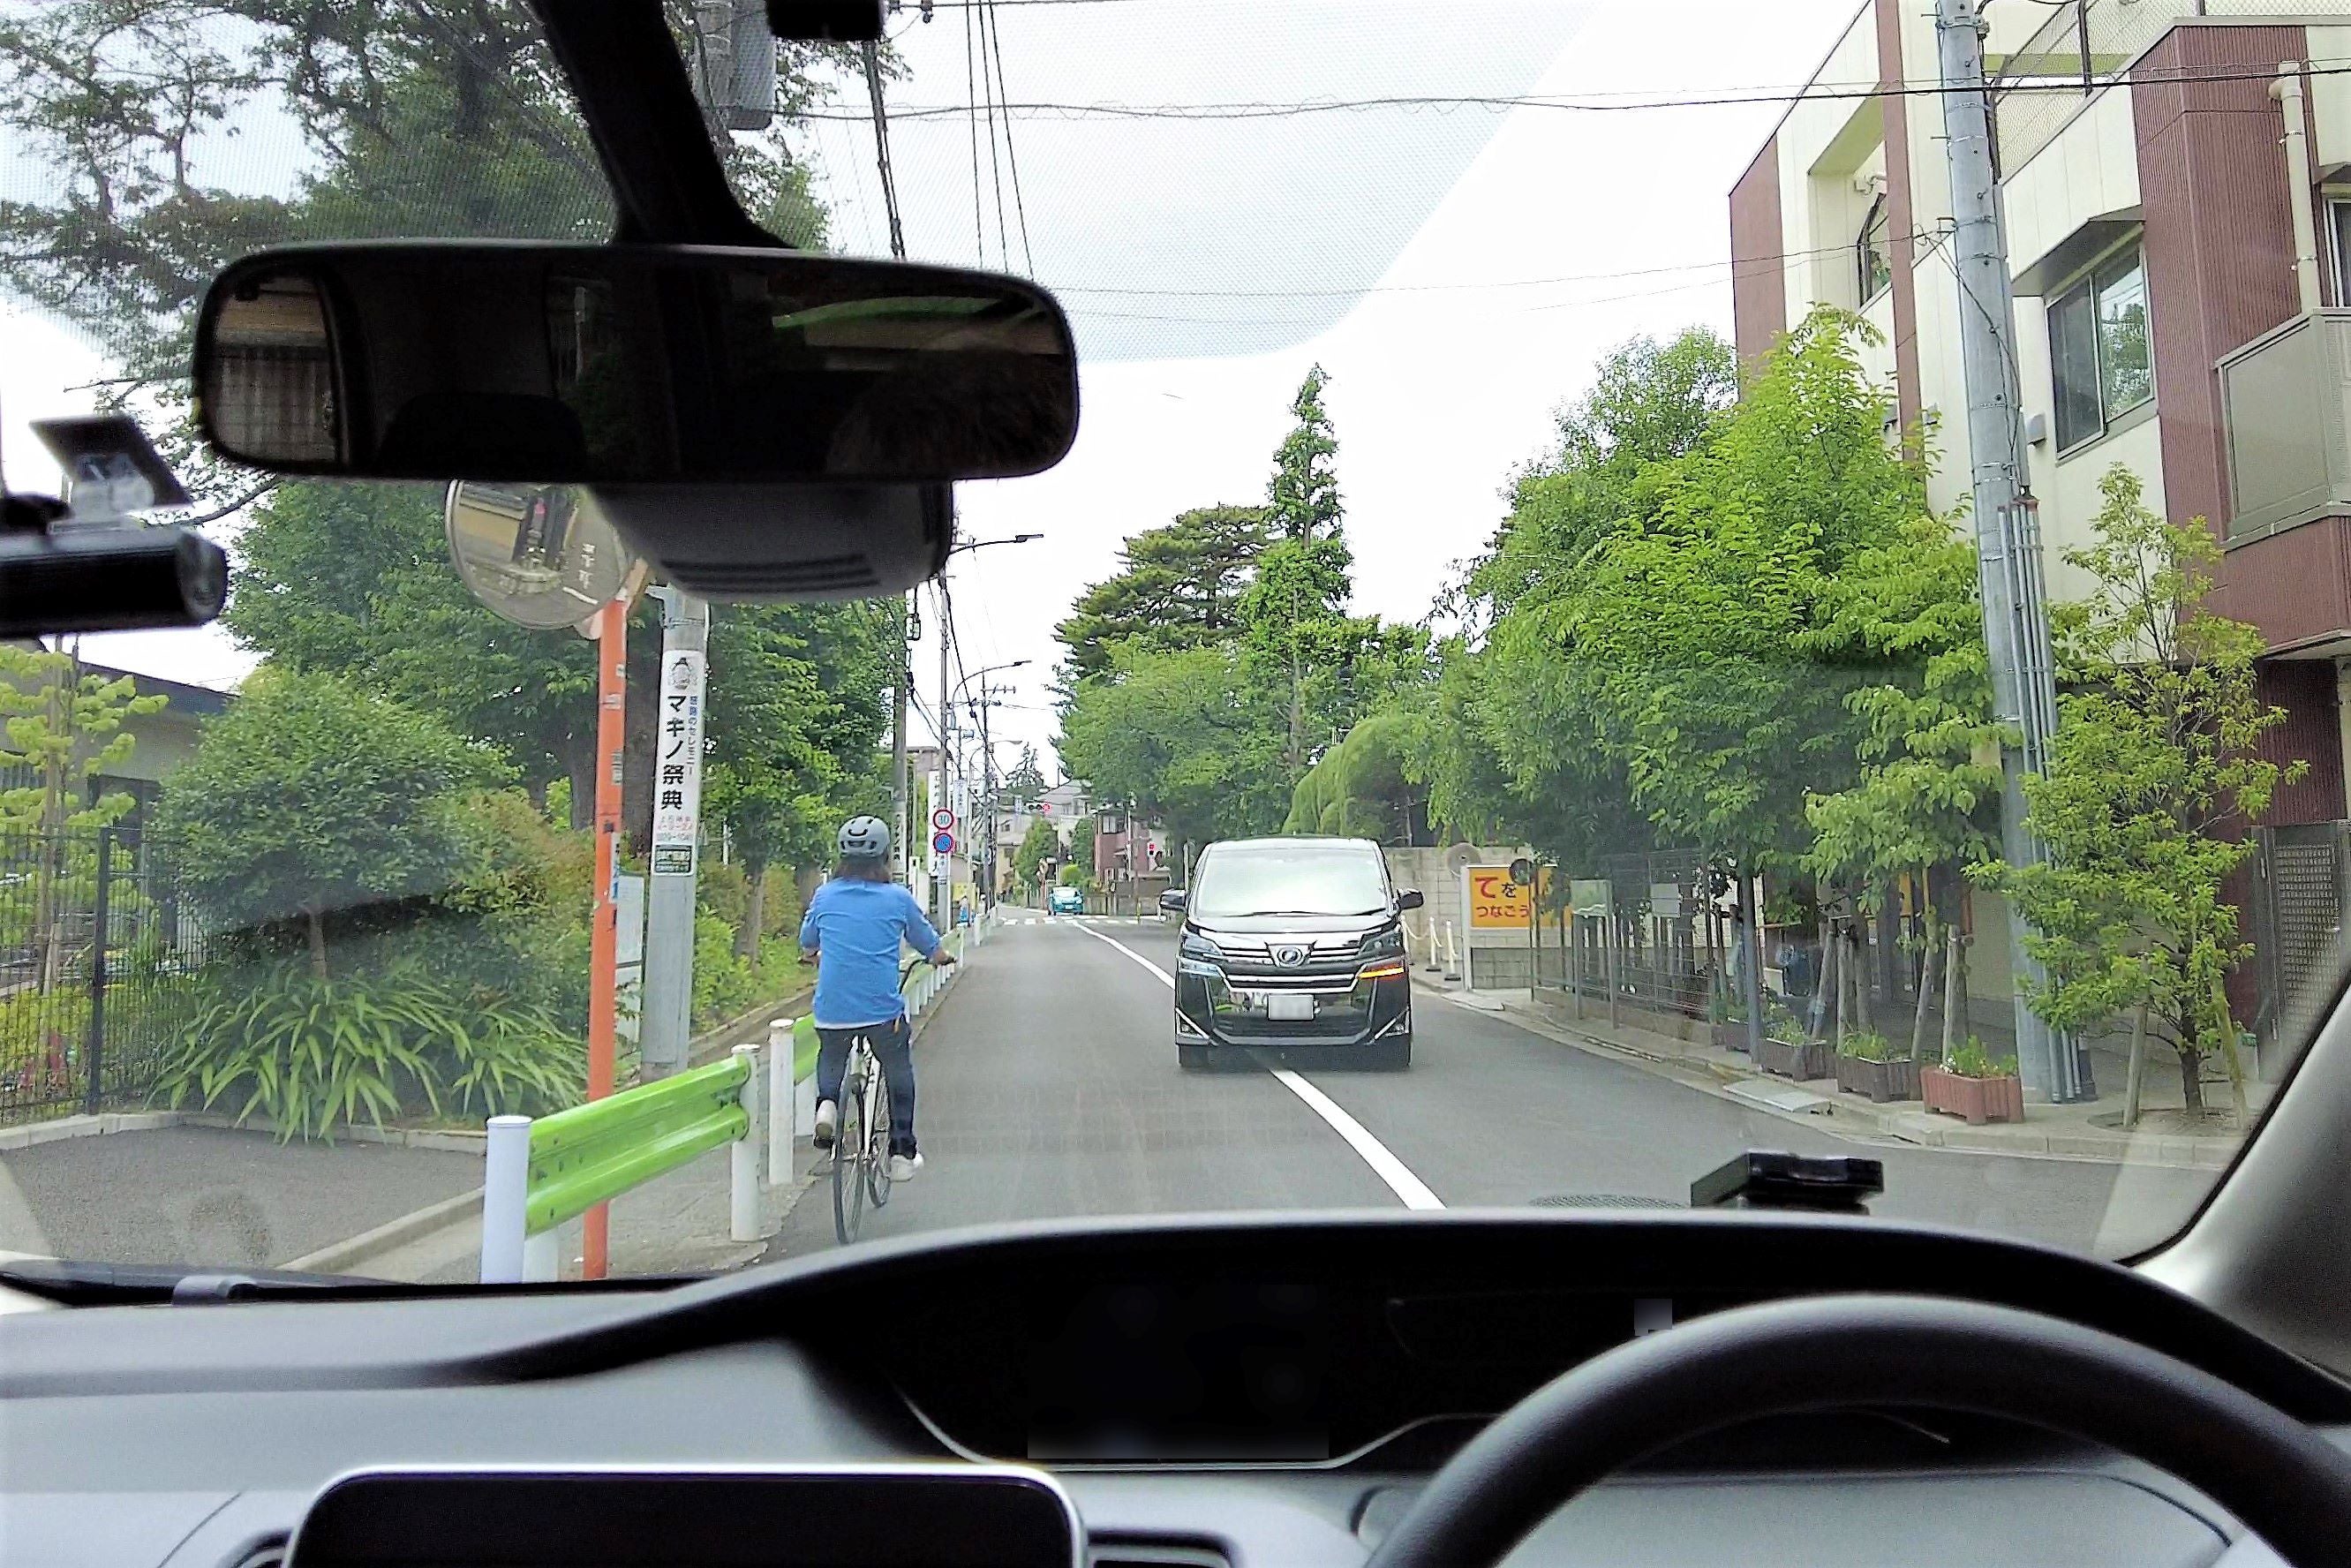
[1979, 1100]
[1813, 1058]
[1729, 1037]
[1881, 1080]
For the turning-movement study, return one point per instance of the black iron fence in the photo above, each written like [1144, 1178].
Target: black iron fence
[99, 951]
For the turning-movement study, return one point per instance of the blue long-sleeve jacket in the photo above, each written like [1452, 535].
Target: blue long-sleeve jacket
[856, 928]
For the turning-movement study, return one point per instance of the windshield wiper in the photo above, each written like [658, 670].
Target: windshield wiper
[121, 1284]
[79, 1284]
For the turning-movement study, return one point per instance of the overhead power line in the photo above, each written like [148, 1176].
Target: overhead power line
[1496, 103]
[1844, 247]
[1011, 159]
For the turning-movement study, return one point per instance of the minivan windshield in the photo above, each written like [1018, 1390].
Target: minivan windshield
[1238, 880]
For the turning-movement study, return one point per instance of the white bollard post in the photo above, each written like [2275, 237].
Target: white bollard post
[506, 1187]
[542, 1256]
[782, 1106]
[743, 1155]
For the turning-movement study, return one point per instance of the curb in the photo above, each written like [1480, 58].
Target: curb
[35, 1133]
[2071, 1147]
[353, 1253]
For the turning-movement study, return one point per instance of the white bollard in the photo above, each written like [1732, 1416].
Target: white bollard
[541, 1256]
[743, 1155]
[782, 1103]
[505, 1188]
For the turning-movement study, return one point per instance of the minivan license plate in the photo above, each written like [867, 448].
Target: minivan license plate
[1290, 1010]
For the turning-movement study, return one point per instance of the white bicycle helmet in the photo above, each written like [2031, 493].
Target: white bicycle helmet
[864, 838]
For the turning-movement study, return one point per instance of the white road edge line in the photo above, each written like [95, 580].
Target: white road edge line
[1409, 1188]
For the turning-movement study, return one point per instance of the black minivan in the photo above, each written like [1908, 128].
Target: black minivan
[1293, 942]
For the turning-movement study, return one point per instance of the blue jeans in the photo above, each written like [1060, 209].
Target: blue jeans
[893, 1048]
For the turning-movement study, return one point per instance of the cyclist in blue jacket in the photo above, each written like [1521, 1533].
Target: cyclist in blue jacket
[853, 929]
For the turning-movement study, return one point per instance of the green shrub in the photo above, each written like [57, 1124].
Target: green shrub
[1868, 1048]
[1972, 1061]
[308, 1053]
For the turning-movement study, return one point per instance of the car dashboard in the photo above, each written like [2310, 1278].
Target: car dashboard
[1203, 1392]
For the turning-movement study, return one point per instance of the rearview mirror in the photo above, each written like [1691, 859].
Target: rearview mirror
[1172, 900]
[630, 365]
[1409, 899]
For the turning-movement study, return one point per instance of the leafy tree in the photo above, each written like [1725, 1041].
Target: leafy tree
[1360, 789]
[1026, 779]
[1080, 870]
[1299, 637]
[1185, 736]
[1691, 640]
[1178, 586]
[2155, 771]
[315, 804]
[62, 728]
[1509, 741]
[796, 723]
[1038, 844]
[1927, 797]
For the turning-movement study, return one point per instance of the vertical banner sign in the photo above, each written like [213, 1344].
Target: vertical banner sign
[678, 766]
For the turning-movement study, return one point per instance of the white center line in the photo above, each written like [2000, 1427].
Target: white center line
[1413, 1192]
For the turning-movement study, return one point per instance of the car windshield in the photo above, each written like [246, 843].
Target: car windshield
[1547, 446]
[1289, 879]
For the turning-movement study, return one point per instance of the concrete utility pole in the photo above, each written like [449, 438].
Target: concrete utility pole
[2008, 548]
[667, 1019]
[944, 865]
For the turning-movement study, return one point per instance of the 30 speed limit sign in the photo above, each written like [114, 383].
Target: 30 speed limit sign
[943, 819]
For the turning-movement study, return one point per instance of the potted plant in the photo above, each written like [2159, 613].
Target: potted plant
[1789, 1052]
[1731, 1028]
[1866, 1065]
[1973, 1084]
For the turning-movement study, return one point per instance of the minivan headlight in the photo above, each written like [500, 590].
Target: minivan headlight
[1196, 945]
[1388, 944]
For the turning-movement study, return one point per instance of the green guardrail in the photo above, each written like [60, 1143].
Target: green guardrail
[539, 1173]
[593, 1154]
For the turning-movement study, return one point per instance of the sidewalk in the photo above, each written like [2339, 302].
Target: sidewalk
[2087, 1131]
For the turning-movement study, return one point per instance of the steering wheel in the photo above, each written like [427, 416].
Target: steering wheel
[2281, 1479]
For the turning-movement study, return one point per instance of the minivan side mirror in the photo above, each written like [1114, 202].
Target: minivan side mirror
[1409, 898]
[1172, 900]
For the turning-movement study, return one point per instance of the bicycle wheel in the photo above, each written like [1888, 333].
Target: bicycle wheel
[849, 1151]
[877, 1137]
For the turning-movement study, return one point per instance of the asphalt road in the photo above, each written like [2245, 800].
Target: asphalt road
[1048, 1087]
[203, 1195]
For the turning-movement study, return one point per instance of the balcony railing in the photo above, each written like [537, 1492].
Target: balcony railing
[2041, 85]
[2285, 408]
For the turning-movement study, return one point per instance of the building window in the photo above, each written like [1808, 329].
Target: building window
[2338, 236]
[2099, 354]
[1872, 264]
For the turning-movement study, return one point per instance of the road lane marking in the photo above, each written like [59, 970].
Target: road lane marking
[1413, 1192]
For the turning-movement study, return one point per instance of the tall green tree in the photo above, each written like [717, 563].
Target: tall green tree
[1691, 640]
[2155, 773]
[1928, 801]
[311, 805]
[1178, 586]
[1186, 736]
[1039, 844]
[1299, 639]
[1509, 742]
[1026, 779]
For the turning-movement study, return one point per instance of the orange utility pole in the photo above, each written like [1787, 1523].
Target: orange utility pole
[604, 942]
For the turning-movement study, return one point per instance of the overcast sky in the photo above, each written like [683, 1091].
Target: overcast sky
[1443, 375]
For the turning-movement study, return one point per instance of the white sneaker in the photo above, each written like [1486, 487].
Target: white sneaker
[903, 1166]
[827, 1117]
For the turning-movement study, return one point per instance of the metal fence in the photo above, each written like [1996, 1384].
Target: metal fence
[2081, 48]
[98, 951]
